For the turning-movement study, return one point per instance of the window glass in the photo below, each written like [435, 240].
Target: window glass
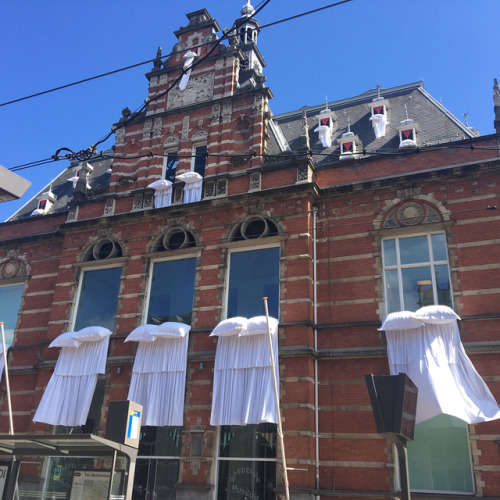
[254, 274]
[416, 272]
[413, 250]
[170, 166]
[172, 289]
[439, 457]
[390, 258]
[200, 159]
[157, 467]
[247, 462]
[10, 303]
[98, 298]
[417, 287]
[392, 289]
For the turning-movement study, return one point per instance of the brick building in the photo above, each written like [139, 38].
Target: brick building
[305, 208]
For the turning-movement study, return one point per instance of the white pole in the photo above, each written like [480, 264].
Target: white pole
[7, 384]
[276, 396]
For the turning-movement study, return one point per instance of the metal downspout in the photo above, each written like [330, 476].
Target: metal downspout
[315, 321]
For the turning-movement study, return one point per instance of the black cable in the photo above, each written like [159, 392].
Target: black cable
[149, 61]
[304, 14]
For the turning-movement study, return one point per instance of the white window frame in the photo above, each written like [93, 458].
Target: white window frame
[228, 269]
[165, 160]
[182, 254]
[87, 268]
[193, 153]
[12, 285]
[431, 263]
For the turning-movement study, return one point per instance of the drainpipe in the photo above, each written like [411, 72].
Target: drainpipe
[315, 321]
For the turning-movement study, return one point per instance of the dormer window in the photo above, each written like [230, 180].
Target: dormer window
[326, 121]
[45, 202]
[408, 134]
[349, 145]
[378, 116]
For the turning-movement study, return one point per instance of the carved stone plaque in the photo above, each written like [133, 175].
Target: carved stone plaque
[200, 88]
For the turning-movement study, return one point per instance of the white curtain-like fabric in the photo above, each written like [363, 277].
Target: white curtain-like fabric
[379, 122]
[163, 193]
[2, 359]
[243, 391]
[159, 380]
[189, 56]
[325, 135]
[434, 358]
[67, 398]
[192, 191]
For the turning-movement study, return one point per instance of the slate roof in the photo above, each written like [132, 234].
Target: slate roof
[62, 187]
[436, 124]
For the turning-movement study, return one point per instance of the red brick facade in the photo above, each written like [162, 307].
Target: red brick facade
[342, 205]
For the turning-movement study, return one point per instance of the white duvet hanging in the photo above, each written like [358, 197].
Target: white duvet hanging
[163, 193]
[67, 397]
[428, 348]
[243, 391]
[159, 374]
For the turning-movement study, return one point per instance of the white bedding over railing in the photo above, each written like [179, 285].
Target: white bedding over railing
[243, 391]
[67, 398]
[434, 358]
[159, 377]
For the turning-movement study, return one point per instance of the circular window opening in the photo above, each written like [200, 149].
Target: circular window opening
[106, 249]
[176, 240]
[255, 229]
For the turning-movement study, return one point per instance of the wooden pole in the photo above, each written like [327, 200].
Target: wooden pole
[276, 396]
[7, 384]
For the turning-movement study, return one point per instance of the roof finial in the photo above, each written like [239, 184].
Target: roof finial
[247, 9]
[348, 112]
[378, 86]
[465, 115]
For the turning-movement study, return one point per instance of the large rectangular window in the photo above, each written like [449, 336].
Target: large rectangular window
[170, 166]
[253, 274]
[439, 458]
[98, 298]
[416, 272]
[172, 291]
[157, 467]
[199, 159]
[247, 462]
[10, 303]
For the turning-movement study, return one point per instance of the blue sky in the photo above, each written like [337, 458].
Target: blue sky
[452, 45]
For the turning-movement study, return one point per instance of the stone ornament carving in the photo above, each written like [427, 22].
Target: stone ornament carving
[178, 194]
[120, 136]
[255, 181]
[138, 201]
[411, 213]
[157, 127]
[209, 189]
[221, 187]
[200, 133]
[185, 127]
[146, 132]
[304, 173]
[148, 200]
[12, 268]
[73, 213]
[109, 206]
[227, 111]
[215, 116]
[200, 88]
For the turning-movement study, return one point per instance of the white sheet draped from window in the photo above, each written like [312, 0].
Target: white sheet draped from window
[67, 398]
[434, 358]
[243, 391]
[2, 359]
[163, 193]
[192, 187]
[159, 376]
